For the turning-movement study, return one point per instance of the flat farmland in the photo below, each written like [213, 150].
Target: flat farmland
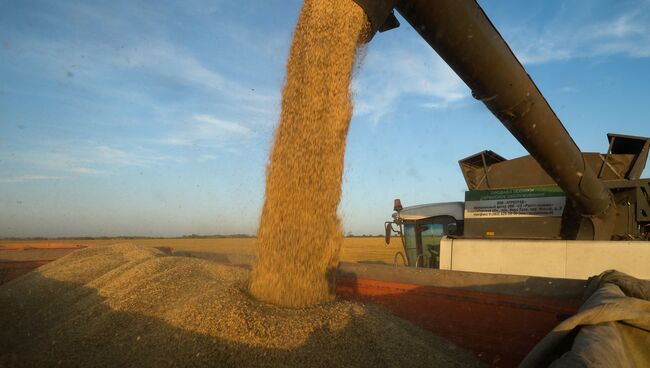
[355, 249]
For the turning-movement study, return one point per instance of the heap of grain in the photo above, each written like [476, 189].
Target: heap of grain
[300, 233]
[126, 306]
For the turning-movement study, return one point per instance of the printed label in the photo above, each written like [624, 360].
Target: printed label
[519, 202]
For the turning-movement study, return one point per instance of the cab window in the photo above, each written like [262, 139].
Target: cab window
[410, 244]
[431, 235]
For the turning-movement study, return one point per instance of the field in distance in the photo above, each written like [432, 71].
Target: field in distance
[355, 249]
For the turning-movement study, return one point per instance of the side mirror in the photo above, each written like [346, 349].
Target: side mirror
[389, 231]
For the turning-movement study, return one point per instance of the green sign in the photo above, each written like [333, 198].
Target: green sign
[547, 201]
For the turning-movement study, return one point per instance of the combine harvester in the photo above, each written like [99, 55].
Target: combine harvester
[520, 222]
[496, 273]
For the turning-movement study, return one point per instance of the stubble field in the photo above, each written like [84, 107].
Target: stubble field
[355, 249]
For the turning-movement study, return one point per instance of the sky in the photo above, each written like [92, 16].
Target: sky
[156, 118]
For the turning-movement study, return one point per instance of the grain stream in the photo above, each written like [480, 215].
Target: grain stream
[300, 233]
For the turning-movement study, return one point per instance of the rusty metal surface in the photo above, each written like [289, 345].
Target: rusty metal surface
[631, 145]
[526, 172]
[380, 15]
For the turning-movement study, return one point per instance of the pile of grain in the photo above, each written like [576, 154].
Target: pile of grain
[300, 233]
[127, 306]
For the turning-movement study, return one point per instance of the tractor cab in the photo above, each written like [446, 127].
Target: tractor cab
[421, 228]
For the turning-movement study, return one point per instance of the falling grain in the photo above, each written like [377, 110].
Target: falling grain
[300, 233]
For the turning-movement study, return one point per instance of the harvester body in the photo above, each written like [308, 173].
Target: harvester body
[557, 193]
[516, 220]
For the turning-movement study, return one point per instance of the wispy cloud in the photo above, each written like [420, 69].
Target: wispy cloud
[28, 178]
[569, 89]
[170, 62]
[135, 156]
[208, 130]
[205, 158]
[626, 33]
[115, 156]
[109, 72]
[85, 159]
[88, 171]
[390, 74]
[131, 61]
[223, 125]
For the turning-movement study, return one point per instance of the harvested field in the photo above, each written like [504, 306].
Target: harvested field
[125, 305]
[20, 257]
[44, 245]
[354, 249]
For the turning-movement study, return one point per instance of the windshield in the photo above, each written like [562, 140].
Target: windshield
[422, 240]
[410, 244]
[431, 235]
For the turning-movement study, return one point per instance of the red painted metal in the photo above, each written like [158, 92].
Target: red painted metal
[499, 328]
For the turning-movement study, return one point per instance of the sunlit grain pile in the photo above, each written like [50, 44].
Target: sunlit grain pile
[127, 306]
[300, 233]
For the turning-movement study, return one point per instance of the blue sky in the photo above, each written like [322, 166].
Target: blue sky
[155, 118]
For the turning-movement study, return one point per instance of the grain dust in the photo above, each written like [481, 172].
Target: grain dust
[300, 234]
[128, 306]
